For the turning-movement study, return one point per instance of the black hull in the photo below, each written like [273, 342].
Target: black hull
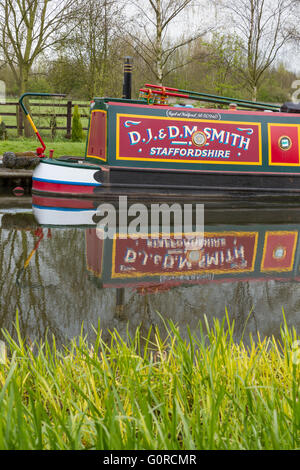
[191, 182]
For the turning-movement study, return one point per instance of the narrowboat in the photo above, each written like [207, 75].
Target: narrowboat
[151, 145]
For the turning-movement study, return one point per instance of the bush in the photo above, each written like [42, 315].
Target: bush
[77, 131]
[3, 131]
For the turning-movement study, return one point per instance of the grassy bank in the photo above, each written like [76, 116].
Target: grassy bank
[60, 147]
[208, 393]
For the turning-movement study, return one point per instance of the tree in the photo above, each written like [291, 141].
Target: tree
[264, 26]
[224, 56]
[93, 43]
[150, 38]
[28, 29]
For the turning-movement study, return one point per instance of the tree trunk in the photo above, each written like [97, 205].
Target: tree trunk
[24, 76]
[159, 70]
[254, 93]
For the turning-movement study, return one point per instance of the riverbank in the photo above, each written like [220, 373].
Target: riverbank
[146, 393]
[11, 178]
[60, 146]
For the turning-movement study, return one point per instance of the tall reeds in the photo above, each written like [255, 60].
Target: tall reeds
[148, 393]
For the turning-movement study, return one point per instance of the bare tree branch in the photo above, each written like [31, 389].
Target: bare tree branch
[264, 28]
[149, 33]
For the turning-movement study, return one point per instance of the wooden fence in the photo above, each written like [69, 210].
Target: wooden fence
[65, 110]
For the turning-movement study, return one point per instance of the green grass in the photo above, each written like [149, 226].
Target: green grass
[61, 147]
[207, 393]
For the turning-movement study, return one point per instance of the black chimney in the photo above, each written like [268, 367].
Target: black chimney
[127, 78]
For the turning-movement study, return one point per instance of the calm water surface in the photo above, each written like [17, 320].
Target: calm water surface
[59, 275]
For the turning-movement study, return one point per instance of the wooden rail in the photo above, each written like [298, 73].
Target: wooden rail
[18, 113]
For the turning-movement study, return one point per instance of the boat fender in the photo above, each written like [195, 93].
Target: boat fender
[102, 175]
[18, 191]
[98, 176]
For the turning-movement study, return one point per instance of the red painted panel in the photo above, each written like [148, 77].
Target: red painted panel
[94, 252]
[97, 135]
[284, 144]
[166, 139]
[65, 203]
[61, 188]
[228, 252]
[279, 251]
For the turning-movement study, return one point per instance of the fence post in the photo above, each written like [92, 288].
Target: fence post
[69, 119]
[19, 118]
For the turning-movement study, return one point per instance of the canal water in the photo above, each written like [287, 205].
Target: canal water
[60, 275]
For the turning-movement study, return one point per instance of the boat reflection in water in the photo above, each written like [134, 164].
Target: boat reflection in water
[247, 260]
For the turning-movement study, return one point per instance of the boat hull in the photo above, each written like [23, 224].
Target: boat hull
[195, 181]
[58, 178]
[64, 178]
